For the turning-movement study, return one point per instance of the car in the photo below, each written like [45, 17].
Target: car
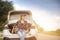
[13, 17]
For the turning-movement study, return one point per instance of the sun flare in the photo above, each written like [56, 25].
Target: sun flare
[42, 17]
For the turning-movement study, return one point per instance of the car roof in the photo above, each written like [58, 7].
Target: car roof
[20, 12]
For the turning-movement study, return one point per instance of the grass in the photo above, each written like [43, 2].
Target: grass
[51, 33]
[1, 38]
[1, 35]
[56, 33]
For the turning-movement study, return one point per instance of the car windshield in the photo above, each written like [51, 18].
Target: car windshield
[14, 18]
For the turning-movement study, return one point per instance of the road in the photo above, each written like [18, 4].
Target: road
[43, 37]
[47, 37]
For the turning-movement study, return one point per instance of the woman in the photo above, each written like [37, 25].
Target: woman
[22, 27]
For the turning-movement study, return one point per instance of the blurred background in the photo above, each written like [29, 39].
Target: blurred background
[46, 14]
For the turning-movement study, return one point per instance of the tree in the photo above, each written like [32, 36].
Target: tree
[5, 7]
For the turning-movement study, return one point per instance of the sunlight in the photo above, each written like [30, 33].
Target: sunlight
[42, 17]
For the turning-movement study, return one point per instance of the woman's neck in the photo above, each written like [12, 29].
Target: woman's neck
[22, 21]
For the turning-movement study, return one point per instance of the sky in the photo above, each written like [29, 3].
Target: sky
[45, 12]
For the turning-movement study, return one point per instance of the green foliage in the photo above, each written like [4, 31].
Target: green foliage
[5, 7]
[1, 28]
[1, 38]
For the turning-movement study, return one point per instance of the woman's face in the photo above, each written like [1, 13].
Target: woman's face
[22, 17]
